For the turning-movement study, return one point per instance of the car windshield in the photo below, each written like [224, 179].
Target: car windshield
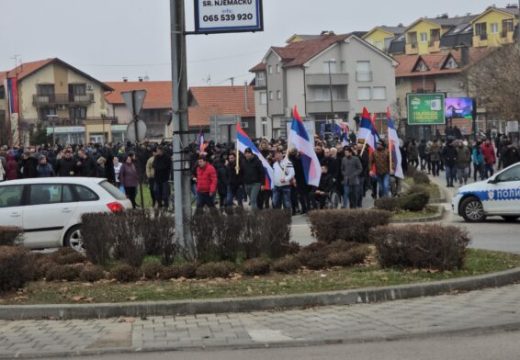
[512, 174]
[112, 190]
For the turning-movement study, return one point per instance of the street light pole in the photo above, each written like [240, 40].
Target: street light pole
[331, 61]
[181, 174]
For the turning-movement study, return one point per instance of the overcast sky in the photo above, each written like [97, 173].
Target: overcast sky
[110, 39]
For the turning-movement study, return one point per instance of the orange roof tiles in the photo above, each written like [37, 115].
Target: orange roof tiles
[220, 100]
[159, 93]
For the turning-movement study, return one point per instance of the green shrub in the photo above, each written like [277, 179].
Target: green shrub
[388, 204]
[151, 270]
[91, 273]
[213, 270]
[257, 266]
[16, 267]
[421, 178]
[354, 256]
[124, 273]
[316, 261]
[344, 224]
[10, 235]
[62, 273]
[421, 246]
[414, 201]
[287, 265]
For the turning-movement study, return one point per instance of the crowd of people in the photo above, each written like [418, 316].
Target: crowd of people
[223, 178]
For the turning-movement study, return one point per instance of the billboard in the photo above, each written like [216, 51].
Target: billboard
[221, 16]
[459, 108]
[426, 109]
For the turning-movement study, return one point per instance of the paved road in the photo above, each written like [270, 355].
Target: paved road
[358, 323]
[489, 346]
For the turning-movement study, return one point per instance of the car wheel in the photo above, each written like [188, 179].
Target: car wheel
[74, 239]
[510, 218]
[472, 210]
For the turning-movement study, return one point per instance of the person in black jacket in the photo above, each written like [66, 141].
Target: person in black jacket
[222, 180]
[254, 176]
[449, 157]
[66, 165]
[28, 166]
[162, 166]
[235, 187]
[510, 155]
[320, 194]
[85, 165]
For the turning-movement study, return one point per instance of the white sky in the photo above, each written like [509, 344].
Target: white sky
[110, 39]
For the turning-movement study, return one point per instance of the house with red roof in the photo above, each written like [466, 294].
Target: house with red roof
[327, 76]
[56, 96]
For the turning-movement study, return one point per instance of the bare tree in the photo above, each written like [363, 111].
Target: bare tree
[495, 82]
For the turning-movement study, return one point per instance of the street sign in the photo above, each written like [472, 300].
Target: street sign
[141, 131]
[426, 109]
[134, 101]
[222, 16]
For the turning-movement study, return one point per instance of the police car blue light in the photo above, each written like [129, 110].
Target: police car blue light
[497, 196]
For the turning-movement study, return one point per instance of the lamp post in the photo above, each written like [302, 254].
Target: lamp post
[329, 62]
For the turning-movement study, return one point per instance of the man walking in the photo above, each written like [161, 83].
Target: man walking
[206, 184]
[254, 176]
[283, 175]
[380, 160]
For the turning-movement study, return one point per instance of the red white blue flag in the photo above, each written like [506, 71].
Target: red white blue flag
[300, 140]
[367, 130]
[200, 142]
[393, 147]
[244, 142]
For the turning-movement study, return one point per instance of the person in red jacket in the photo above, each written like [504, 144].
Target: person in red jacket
[206, 184]
[488, 152]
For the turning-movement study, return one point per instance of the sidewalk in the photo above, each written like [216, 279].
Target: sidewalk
[475, 311]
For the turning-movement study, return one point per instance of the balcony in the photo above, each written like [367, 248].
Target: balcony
[324, 106]
[62, 99]
[325, 80]
[412, 48]
[80, 122]
[434, 46]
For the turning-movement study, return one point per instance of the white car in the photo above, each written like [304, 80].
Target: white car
[49, 210]
[497, 196]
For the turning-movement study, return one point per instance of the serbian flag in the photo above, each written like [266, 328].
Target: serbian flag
[200, 142]
[12, 93]
[342, 131]
[244, 142]
[367, 130]
[300, 140]
[393, 147]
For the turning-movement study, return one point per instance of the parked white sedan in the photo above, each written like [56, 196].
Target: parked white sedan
[497, 196]
[49, 210]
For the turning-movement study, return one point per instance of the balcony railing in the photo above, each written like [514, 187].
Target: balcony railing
[62, 99]
[80, 122]
[324, 79]
[483, 36]
[324, 106]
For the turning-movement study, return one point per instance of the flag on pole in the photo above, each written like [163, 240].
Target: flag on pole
[393, 147]
[367, 130]
[342, 131]
[12, 94]
[299, 139]
[244, 142]
[200, 142]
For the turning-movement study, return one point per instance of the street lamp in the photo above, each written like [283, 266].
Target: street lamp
[329, 62]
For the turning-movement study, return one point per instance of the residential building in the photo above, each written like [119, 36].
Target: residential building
[327, 77]
[382, 37]
[215, 110]
[495, 27]
[55, 95]
[156, 111]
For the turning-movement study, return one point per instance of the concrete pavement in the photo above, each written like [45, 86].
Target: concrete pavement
[417, 318]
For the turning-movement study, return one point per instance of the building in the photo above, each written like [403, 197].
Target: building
[327, 77]
[53, 95]
[156, 112]
[217, 109]
[443, 72]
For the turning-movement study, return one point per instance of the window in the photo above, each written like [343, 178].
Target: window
[45, 89]
[78, 113]
[11, 196]
[2, 92]
[451, 64]
[46, 112]
[67, 195]
[43, 194]
[424, 37]
[112, 190]
[412, 40]
[270, 69]
[321, 93]
[507, 27]
[364, 93]
[263, 98]
[85, 194]
[271, 95]
[279, 95]
[363, 71]
[379, 93]
[494, 28]
[260, 79]
[278, 68]
[264, 126]
[481, 30]
[510, 175]
[435, 35]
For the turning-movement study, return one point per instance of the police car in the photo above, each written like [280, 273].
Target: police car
[497, 196]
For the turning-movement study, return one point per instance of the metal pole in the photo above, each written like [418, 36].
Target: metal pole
[181, 175]
[137, 149]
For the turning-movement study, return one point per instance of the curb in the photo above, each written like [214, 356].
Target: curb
[267, 303]
[439, 215]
